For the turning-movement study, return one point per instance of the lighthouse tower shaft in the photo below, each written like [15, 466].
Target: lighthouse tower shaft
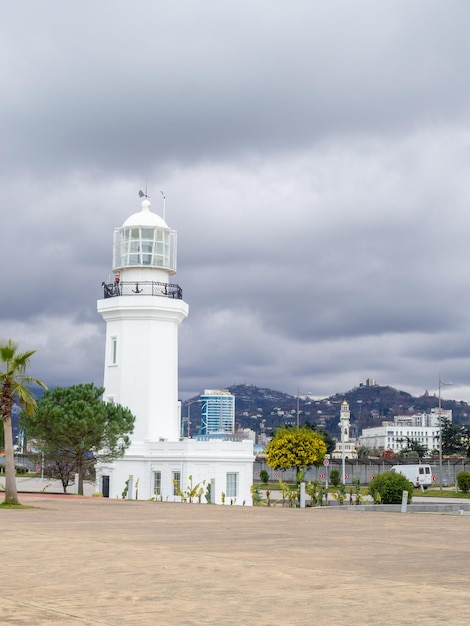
[143, 311]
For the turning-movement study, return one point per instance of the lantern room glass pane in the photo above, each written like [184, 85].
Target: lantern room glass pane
[152, 247]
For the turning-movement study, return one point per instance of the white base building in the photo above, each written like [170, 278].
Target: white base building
[163, 470]
[143, 311]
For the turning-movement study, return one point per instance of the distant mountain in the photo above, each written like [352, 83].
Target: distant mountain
[264, 409]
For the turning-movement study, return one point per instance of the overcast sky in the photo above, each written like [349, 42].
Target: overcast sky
[315, 158]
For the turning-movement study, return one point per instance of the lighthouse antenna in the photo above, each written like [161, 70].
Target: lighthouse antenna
[141, 193]
[164, 198]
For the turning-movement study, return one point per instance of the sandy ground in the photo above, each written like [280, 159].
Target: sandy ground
[86, 561]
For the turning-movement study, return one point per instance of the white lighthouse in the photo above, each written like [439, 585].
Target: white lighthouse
[143, 310]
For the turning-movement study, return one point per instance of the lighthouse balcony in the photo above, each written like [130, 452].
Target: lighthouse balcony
[142, 288]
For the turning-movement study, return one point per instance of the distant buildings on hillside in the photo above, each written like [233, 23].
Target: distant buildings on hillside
[394, 435]
[370, 382]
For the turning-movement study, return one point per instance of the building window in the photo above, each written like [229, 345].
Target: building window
[232, 484]
[176, 483]
[113, 350]
[157, 483]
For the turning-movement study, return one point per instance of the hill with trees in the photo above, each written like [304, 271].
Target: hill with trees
[263, 409]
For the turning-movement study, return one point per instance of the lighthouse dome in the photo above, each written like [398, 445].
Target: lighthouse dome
[145, 217]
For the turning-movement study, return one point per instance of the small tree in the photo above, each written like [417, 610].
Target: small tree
[465, 438]
[335, 477]
[74, 424]
[317, 493]
[61, 467]
[363, 452]
[387, 488]
[264, 476]
[413, 449]
[357, 490]
[298, 448]
[463, 481]
[255, 494]
[193, 491]
[453, 438]
[340, 495]
[406, 453]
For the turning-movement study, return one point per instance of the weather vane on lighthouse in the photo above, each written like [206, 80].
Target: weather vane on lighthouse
[145, 195]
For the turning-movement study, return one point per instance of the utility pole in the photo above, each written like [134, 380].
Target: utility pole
[441, 384]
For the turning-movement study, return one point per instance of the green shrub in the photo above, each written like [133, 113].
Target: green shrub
[264, 476]
[335, 477]
[387, 488]
[463, 481]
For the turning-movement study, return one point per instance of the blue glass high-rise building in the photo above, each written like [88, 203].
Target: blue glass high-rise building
[217, 412]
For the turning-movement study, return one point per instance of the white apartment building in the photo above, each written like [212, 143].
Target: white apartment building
[394, 435]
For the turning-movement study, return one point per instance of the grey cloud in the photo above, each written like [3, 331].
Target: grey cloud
[315, 162]
[191, 84]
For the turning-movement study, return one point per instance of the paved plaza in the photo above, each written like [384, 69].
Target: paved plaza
[74, 560]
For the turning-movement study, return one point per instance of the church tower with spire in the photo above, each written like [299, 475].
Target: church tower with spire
[345, 447]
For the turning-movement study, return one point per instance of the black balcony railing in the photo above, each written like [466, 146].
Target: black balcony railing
[144, 288]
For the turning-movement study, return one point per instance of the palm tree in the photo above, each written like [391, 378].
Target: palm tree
[13, 381]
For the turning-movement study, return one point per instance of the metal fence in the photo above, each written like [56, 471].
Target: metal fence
[364, 470]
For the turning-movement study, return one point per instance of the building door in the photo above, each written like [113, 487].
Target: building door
[105, 487]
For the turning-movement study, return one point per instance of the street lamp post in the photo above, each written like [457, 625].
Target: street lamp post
[343, 453]
[188, 418]
[441, 384]
[298, 404]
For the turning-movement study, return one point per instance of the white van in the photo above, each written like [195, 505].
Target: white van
[419, 475]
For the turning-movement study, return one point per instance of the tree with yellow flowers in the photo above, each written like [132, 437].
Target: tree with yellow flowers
[295, 447]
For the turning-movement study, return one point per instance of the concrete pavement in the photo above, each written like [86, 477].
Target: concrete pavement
[46, 485]
[93, 561]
